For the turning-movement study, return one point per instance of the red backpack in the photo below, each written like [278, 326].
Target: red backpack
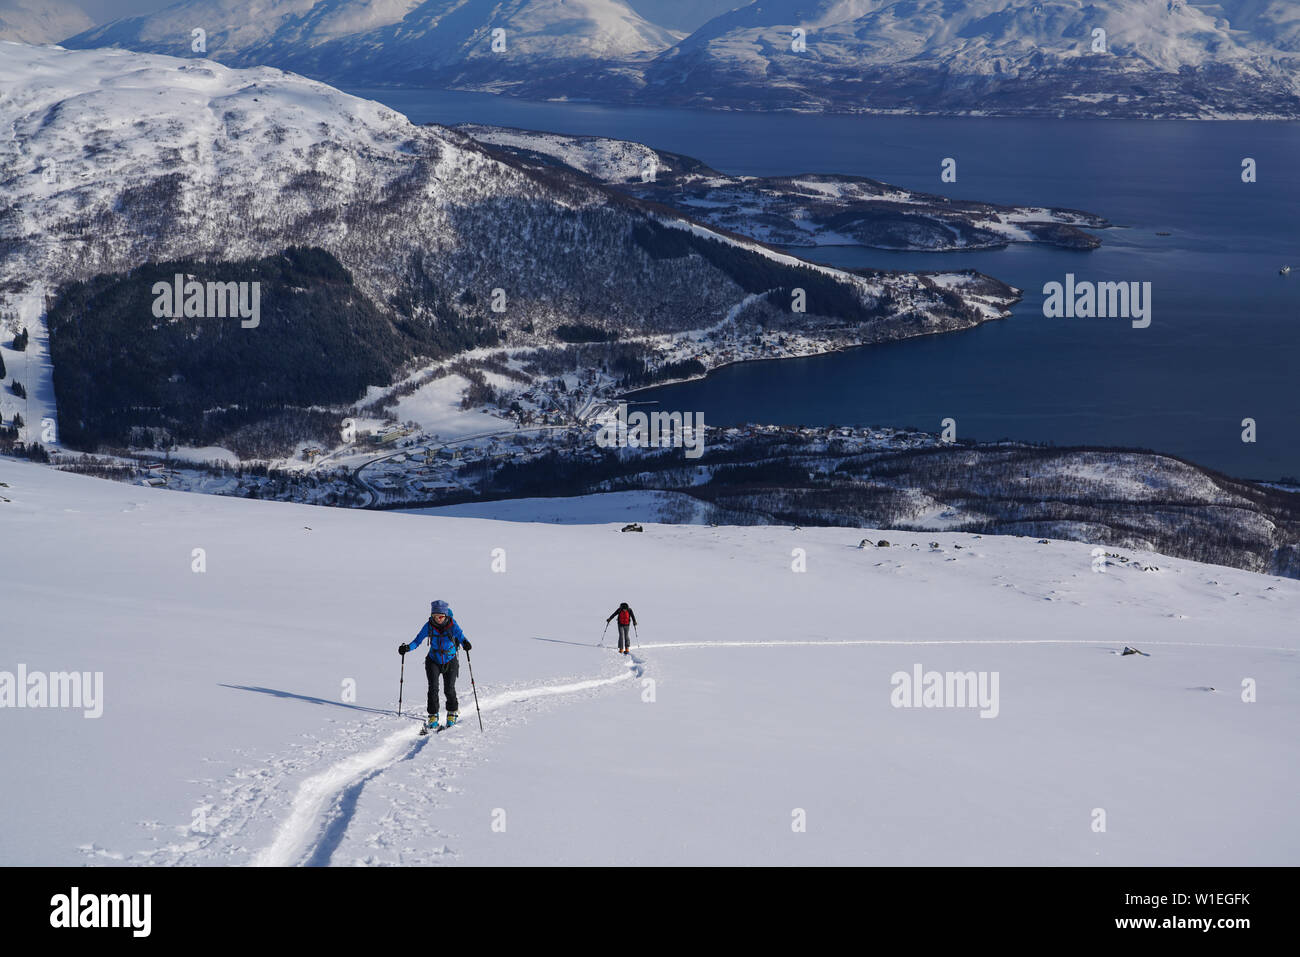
[624, 616]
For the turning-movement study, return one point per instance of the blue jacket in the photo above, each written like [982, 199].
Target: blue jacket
[443, 644]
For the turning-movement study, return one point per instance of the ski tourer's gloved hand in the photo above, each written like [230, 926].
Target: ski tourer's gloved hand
[403, 649]
[464, 643]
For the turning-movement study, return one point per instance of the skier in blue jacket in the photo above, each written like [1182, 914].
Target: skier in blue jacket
[445, 639]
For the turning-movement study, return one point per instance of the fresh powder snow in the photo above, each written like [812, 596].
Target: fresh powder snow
[250, 681]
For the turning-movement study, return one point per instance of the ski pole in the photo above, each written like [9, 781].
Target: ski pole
[601, 644]
[637, 633]
[400, 683]
[475, 687]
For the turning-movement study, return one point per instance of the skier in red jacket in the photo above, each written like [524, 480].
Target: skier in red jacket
[625, 619]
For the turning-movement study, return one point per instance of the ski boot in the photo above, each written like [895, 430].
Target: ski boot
[451, 717]
[430, 725]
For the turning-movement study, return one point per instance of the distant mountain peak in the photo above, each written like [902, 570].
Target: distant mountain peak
[40, 21]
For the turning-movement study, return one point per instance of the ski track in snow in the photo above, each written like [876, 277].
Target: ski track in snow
[953, 641]
[324, 803]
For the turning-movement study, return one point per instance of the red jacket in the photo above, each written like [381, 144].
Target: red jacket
[625, 616]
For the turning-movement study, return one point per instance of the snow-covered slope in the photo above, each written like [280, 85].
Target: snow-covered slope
[1086, 56]
[40, 21]
[247, 708]
[91, 135]
[387, 40]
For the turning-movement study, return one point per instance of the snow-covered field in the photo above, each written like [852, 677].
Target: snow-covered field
[437, 408]
[758, 696]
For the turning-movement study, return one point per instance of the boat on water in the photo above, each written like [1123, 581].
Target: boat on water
[1284, 271]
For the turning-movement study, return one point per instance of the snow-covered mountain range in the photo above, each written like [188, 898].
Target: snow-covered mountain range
[40, 21]
[1108, 57]
[486, 43]
[1076, 57]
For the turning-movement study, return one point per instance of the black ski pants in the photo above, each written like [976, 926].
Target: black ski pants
[623, 640]
[449, 671]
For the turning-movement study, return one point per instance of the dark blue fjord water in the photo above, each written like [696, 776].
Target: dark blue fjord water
[1224, 342]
